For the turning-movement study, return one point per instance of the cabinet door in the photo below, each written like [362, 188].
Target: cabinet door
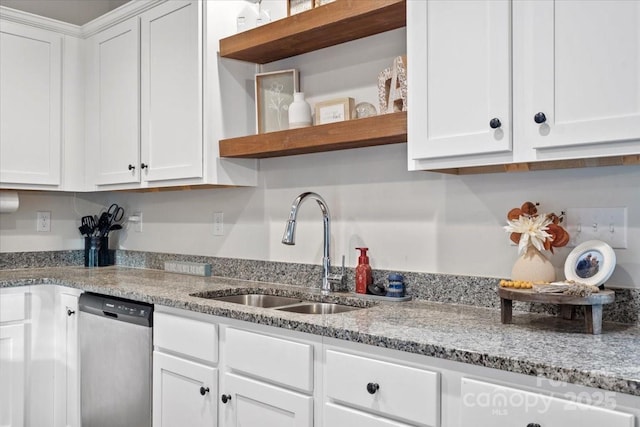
[580, 68]
[184, 392]
[31, 105]
[485, 404]
[12, 375]
[171, 111]
[254, 403]
[460, 77]
[67, 395]
[116, 130]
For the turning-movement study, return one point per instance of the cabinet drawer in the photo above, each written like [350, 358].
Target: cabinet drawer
[12, 306]
[498, 406]
[406, 393]
[186, 336]
[336, 415]
[280, 361]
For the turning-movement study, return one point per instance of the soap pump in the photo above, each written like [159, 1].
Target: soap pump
[364, 278]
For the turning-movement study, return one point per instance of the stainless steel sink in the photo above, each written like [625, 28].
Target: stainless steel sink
[258, 300]
[290, 304]
[318, 308]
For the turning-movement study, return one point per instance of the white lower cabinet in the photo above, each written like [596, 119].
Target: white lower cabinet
[185, 378]
[381, 388]
[13, 364]
[261, 376]
[66, 399]
[12, 375]
[184, 392]
[487, 404]
[247, 402]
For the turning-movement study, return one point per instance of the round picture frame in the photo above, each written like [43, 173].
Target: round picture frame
[590, 262]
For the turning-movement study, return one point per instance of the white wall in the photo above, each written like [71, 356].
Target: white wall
[412, 221]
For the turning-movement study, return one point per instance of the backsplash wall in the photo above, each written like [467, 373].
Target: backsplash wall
[418, 221]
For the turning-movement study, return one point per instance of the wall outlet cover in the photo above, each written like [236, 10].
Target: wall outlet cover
[191, 268]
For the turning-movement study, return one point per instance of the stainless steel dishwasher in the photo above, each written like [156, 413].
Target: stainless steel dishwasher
[115, 361]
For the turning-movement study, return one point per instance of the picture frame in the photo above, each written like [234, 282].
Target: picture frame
[274, 94]
[335, 110]
[298, 6]
[590, 262]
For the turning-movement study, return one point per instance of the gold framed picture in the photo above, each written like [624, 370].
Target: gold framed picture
[274, 94]
[335, 110]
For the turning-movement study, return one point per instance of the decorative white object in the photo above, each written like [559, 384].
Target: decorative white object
[533, 266]
[392, 87]
[591, 262]
[299, 112]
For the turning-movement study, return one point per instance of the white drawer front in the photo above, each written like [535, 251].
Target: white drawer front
[280, 361]
[335, 415]
[12, 306]
[405, 393]
[186, 336]
[498, 406]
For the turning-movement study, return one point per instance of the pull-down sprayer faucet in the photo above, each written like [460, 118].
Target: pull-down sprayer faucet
[290, 235]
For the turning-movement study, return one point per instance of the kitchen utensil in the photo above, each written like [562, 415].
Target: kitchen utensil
[85, 230]
[115, 227]
[90, 223]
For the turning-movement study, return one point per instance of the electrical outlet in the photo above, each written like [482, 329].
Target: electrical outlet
[218, 224]
[606, 224]
[43, 221]
[136, 220]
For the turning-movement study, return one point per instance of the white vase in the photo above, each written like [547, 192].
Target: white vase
[533, 266]
[299, 112]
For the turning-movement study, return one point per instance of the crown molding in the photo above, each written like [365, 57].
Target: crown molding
[118, 15]
[38, 21]
[109, 19]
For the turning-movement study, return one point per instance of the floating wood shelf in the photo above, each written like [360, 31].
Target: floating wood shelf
[367, 132]
[323, 26]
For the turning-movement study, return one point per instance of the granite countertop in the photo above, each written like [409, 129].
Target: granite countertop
[533, 345]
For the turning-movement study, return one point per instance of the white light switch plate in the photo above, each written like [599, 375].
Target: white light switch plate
[606, 224]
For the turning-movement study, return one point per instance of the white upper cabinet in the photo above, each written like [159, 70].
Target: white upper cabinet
[114, 105]
[30, 105]
[460, 78]
[561, 77]
[580, 62]
[171, 113]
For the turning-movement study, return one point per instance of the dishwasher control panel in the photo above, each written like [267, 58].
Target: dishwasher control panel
[124, 310]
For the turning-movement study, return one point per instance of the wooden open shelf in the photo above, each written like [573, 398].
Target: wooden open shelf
[324, 26]
[367, 132]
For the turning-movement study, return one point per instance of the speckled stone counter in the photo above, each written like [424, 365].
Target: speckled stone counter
[533, 345]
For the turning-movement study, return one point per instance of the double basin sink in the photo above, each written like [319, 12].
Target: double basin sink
[281, 303]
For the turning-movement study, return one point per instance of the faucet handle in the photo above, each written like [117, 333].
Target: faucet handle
[337, 281]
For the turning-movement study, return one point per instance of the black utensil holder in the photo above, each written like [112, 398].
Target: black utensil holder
[96, 252]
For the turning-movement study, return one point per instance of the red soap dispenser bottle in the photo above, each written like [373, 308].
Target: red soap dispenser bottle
[364, 278]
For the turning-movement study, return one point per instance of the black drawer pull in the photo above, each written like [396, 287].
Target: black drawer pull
[372, 388]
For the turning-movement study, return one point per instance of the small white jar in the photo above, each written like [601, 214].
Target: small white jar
[299, 112]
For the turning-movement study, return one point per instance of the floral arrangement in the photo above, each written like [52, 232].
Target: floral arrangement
[529, 228]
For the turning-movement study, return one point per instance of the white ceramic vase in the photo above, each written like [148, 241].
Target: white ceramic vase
[533, 266]
[299, 112]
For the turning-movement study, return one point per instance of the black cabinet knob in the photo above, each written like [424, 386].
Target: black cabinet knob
[131, 167]
[495, 123]
[372, 388]
[204, 390]
[143, 166]
[533, 425]
[70, 312]
[225, 398]
[540, 118]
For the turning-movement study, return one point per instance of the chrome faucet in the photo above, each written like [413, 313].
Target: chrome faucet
[290, 237]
